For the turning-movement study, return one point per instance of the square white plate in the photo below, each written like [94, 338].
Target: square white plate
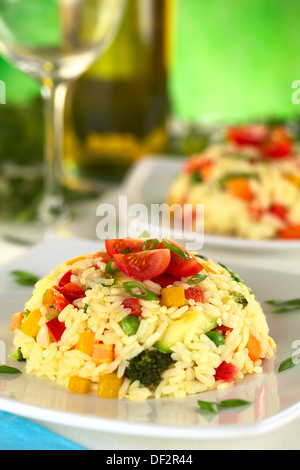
[275, 397]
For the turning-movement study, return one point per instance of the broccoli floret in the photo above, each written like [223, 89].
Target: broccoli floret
[148, 366]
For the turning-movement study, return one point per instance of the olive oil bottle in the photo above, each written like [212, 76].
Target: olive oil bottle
[118, 111]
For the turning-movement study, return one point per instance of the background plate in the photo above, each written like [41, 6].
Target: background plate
[149, 181]
[274, 396]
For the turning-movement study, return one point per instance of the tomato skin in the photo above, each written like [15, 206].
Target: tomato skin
[226, 372]
[66, 279]
[72, 291]
[134, 305]
[279, 211]
[117, 245]
[143, 265]
[195, 294]
[252, 135]
[180, 267]
[279, 145]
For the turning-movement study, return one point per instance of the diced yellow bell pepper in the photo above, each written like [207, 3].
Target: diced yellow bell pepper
[109, 386]
[173, 297]
[86, 342]
[75, 260]
[79, 385]
[30, 325]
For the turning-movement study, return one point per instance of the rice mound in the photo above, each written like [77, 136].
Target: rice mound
[272, 207]
[196, 358]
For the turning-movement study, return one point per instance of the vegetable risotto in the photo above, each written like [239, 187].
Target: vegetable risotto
[251, 181]
[142, 319]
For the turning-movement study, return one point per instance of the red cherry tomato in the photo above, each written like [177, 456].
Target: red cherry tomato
[134, 305]
[279, 145]
[253, 135]
[117, 245]
[279, 211]
[179, 266]
[226, 372]
[143, 265]
[195, 294]
[165, 280]
[72, 291]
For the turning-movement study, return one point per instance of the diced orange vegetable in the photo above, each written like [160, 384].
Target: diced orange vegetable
[16, 321]
[109, 386]
[30, 325]
[290, 232]
[173, 296]
[240, 188]
[74, 260]
[79, 385]
[103, 353]
[253, 347]
[86, 342]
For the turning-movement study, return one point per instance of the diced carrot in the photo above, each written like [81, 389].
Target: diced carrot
[30, 325]
[240, 188]
[290, 232]
[109, 386]
[86, 342]
[79, 385]
[103, 353]
[254, 350]
[16, 321]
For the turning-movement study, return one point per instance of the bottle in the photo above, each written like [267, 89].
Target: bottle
[118, 111]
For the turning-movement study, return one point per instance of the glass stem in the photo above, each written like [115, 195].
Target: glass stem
[53, 207]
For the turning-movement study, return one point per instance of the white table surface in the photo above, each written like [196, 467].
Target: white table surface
[286, 438]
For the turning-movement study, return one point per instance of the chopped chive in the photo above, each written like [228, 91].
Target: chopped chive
[196, 279]
[153, 244]
[178, 251]
[232, 274]
[148, 295]
[239, 298]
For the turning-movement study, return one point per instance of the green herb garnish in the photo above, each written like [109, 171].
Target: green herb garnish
[9, 370]
[178, 251]
[282, 306]
[239, 299]
[287, 364]
[196, 178]
[216, 407]
[148, 294]
[153, 244]
[196, 279]
[232, 274]
[24, 278]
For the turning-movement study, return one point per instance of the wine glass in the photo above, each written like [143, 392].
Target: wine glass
[55, 41]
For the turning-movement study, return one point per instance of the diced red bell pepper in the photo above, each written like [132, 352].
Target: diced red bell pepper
[279, 145]
[224, 330]
[134, 305]
[72, 291]
[56, 328]
[195, 294]
[279, 211]
[253, 135]
[66, 278]
[226, 372]
[59, 301]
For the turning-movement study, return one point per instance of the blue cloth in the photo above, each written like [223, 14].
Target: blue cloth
[22, 434]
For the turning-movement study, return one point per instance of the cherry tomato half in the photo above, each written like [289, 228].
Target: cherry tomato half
[253, 135]
[179, 266]
[143, 265]
[115, 246]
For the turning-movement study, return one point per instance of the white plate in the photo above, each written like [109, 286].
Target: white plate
[274, 396]
[149, 181]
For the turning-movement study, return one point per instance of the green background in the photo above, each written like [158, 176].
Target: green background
[232, 59]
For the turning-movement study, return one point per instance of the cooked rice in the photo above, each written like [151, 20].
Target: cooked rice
[196, 358]
[276, 182]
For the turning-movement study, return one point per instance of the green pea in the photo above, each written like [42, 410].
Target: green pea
[216, 337]
[130, 325]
